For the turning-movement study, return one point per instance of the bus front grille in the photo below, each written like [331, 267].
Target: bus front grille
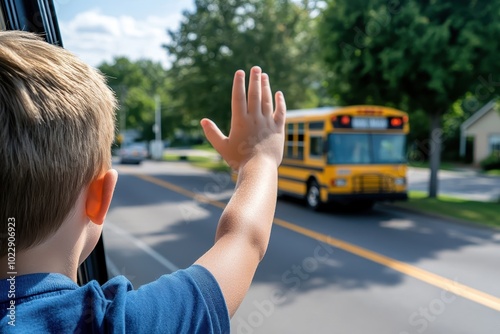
[372, 183]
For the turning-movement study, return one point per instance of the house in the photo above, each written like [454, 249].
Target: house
[484, 127]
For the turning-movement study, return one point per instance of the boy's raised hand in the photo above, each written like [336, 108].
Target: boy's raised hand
[256, 129]
[254, 148]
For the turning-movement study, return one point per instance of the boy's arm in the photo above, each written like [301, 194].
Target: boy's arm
[254, 147]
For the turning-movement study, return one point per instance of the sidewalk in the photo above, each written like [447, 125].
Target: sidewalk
[188, 152]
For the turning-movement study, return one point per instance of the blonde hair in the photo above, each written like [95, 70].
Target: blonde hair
[57, 121]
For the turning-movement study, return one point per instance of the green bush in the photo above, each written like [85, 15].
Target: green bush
[492, 161]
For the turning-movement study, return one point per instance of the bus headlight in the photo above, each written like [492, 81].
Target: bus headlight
[400, 181]
[339, 182]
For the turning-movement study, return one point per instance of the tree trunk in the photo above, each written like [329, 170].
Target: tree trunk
[436, 137]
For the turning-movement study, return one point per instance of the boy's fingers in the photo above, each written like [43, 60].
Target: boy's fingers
[280, 112]
[238, 99]
[213, 134]
[254, 90]
[267, 95]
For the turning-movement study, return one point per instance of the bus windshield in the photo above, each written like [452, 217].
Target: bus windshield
[366, 148]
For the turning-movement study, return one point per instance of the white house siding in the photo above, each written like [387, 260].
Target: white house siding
[481, 130]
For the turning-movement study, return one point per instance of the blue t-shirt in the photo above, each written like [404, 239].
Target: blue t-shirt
[187, 301]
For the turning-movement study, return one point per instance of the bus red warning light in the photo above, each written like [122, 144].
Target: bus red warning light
[396, 122]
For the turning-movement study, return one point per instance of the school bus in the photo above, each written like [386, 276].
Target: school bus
[353, 155]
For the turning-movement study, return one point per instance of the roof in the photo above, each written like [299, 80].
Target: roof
[322, 111]
[478, 114]
[313, 111]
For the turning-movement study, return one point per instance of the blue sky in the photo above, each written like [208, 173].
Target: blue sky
[97, 31]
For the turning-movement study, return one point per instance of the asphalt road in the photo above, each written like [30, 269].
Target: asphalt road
[380, 272]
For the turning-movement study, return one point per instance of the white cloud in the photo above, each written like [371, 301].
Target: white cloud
[96, 37]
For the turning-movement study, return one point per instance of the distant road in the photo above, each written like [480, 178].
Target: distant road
[466, 185]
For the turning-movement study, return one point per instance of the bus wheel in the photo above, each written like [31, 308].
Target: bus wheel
[313, 196]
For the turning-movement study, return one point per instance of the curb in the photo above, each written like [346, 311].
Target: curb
[463, 172]
[449, 219]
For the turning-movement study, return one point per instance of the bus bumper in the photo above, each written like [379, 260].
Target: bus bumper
[377, 197]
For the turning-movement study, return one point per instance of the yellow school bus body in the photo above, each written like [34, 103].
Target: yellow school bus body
[353, 154]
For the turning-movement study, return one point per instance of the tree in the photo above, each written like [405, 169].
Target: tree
[222, 36]
[417, 55]
[135, 85]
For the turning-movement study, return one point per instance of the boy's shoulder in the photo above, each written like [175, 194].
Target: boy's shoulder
[54, 303]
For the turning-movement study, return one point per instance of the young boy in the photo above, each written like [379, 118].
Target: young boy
[56, 185]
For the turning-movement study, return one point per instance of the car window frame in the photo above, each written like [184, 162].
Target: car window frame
[39, 16]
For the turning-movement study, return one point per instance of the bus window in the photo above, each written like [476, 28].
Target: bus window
[349, 149]
[388, 149]
[300, 141]
[300, 151]
[366, 149]
[316, 125]
[289, 144]
[316, 147]
[295, 141]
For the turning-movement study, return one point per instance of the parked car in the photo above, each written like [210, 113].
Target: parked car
[133, 153]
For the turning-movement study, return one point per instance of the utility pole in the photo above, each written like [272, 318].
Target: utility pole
[157, 147]
[158, 117]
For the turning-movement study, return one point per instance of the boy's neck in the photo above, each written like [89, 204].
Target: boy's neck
[43, 262]
[60, 253]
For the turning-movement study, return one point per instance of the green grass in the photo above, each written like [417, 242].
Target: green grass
[216, 166]
[203, 162]
[425, 164]
[493, 172]
[484, 213]
[204, 147]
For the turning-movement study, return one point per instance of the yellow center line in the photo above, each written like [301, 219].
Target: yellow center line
[415, 272]
[180, 190]
[404, 268]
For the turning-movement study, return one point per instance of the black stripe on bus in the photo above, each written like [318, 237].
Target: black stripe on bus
[317, 169]
[288, 178]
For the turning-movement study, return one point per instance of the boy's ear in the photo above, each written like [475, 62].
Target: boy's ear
[99, 195]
